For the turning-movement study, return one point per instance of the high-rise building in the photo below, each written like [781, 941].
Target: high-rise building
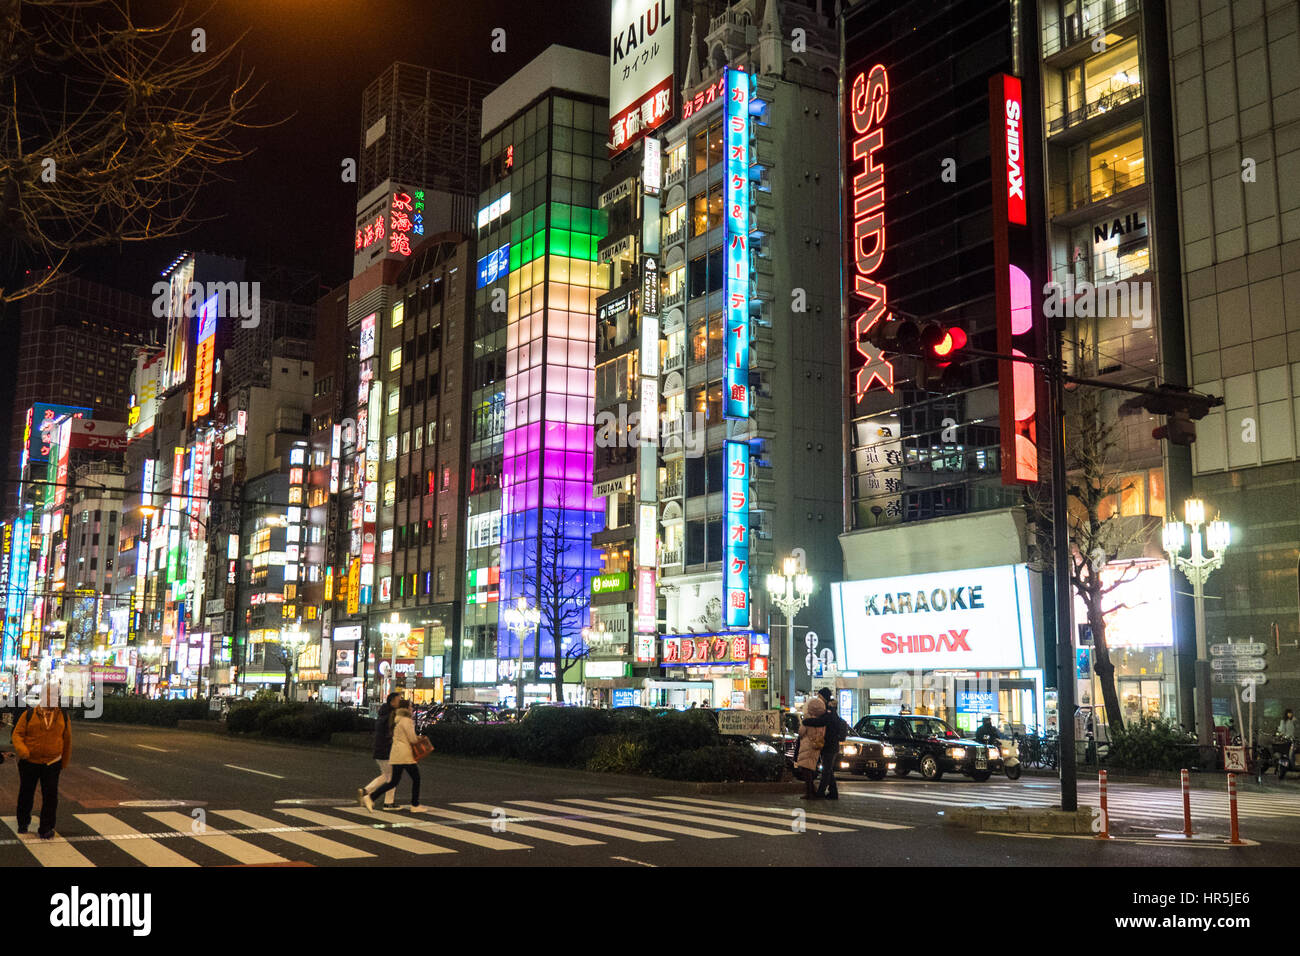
[531, 513]
[1236, 143]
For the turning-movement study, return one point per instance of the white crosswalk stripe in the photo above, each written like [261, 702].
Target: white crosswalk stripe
[288, 835]
[1123, 800]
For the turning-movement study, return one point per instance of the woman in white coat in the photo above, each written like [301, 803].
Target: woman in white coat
[402, 760]
[811, 740]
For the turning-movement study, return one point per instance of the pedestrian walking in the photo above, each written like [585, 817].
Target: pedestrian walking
[402, 759]
[384, 722]
[837, 731]
[42, 741]
[811, 739]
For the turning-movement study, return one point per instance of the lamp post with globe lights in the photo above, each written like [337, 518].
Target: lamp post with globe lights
[790, 590]
[393, 631]
[1198, 569]
[294, 642]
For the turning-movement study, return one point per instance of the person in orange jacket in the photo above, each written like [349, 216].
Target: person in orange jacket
[42, 741]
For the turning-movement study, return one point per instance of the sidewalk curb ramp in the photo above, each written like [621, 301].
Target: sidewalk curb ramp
[1021, 819]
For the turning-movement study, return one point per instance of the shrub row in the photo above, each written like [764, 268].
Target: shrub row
[293, 721]
[1152, 744]
[137, 709]
[676, 746]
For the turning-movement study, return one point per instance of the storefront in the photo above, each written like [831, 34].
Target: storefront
[726, 669]
[960, 645]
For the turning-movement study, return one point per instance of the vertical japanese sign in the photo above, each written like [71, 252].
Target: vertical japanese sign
[735, 399]
[641, 47]
[1017, 331]
[205, 361]
[735, 575]
[647, 604]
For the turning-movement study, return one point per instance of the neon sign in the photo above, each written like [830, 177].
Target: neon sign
[400, 224]
[868, 103]
[494, 265]
[1012, 106]
[735, 575]
[735, 238]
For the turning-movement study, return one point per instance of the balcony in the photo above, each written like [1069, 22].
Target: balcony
[676, 237]
[670, 559]
[674, 362]
[1100, 17]
[1113, 100]
[674, 176]
[671, 489]
[675, 300]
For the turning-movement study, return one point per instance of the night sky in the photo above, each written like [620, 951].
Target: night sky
[286, 204]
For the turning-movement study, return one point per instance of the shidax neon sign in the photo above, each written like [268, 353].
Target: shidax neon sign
[868, 103]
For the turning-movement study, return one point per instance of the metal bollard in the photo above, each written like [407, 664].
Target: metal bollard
[1232, 809]
[1187, 804]
[1105, 814]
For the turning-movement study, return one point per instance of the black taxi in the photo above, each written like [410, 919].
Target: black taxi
[929, 746]
[858, 755]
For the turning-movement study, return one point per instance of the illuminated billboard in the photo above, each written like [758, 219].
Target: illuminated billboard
[735, 573]
[205, 360]
[641, 49]
[40, 433]
[735, 239]
[1137, 606]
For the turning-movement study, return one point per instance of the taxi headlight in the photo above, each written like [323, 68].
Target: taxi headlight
[957, 753]
[849, 750]
[994, 753]
[887, 750]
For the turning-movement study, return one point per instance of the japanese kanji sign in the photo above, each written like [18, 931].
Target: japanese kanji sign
[735, 397]
[641, 51]
[735, 573]
[700, 649]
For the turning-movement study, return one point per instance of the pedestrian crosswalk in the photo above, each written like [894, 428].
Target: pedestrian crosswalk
[1123, 801]
[345, 833]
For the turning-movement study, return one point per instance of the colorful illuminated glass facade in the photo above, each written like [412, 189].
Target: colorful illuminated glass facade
[532, 405]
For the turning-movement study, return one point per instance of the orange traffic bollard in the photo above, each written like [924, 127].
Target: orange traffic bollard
[1187, 804]
[1105, 814]
[1232, 809]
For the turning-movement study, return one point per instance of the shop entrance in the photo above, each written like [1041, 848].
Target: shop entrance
[1138, 698]
[678, 694]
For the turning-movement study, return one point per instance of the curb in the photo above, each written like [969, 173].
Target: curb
[1021, 820]
[1200, 780]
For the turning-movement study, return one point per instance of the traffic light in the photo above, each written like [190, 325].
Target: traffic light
[1181, 408]
[936, 347]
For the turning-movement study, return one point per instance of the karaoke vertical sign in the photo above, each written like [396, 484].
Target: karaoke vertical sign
[735, 576]
[736, 241]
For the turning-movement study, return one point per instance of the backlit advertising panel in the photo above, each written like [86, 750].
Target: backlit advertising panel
[41, 436]
[976, 619]
[735, 222]
[1018, 382]
[641, 50]
[735, 573]
[1137, 606]
[205, 358]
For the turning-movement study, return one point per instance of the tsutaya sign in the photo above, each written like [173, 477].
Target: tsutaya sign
[868, 101]
[980, 618]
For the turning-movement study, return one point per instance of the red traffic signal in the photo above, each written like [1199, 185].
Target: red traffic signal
[942, 345]
[1178, 428]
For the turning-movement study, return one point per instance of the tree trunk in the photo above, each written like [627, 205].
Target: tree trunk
[1101, 652]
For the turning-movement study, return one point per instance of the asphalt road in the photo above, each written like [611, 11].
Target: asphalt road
[154, 797]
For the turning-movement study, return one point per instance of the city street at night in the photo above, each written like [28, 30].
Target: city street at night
[144, 797]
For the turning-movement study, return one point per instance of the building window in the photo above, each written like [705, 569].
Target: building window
[706, 211]
[442, 581]
[395, 359]
[446, 477]
[443, 524]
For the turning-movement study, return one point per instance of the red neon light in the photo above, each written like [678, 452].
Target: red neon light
[1013, 110]
[868, 103]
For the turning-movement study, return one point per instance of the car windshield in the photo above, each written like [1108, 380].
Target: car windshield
[929, 727]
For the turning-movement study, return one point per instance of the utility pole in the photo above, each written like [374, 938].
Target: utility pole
[1062, 587]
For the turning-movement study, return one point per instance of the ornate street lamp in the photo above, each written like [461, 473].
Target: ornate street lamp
[294, 642]
[521, 619]
[393, 631]
[1198, 568]
[790, 591]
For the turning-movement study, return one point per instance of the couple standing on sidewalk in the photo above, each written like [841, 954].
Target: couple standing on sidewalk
[820, 736]
[397, 748]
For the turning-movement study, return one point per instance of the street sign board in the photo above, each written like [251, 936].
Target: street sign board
[1239, 664]
[1240, 678]
[765, 723]
[1236, 650]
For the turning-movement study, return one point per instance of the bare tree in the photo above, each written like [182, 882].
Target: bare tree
[562, 597]
[1097, 532]
[110, 128]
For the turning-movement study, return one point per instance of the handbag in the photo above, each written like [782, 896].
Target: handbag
[421, 748]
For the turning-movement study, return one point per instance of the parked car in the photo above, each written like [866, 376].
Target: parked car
[456, 713]
[930, 746]
[858, 754]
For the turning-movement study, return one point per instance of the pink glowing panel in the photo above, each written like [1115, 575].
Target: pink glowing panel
[555, 407]
[1022, 313]
[534, 433]
[1022, 378]
[1026, 457]
[512, 335]
[576, 412]
[512, 361]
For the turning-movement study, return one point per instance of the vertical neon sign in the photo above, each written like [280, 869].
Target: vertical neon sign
[868, 103]
[735, 399]
[1017, 381]
[735, 575]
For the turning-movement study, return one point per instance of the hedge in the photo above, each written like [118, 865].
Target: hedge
[678, 746]
[1152, 744]
[137, 709]
[293, 721]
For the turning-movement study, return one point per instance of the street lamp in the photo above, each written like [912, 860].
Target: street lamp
[393, 630]
[521, 619]
[596, 635]
[1198, 569]
[294, 642]
[790, 591]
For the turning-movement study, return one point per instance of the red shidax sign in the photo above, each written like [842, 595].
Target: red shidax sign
[1013, 115]
[868, 298]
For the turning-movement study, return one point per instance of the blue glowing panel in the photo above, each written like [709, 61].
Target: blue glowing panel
[736, 242]
[735, 576]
